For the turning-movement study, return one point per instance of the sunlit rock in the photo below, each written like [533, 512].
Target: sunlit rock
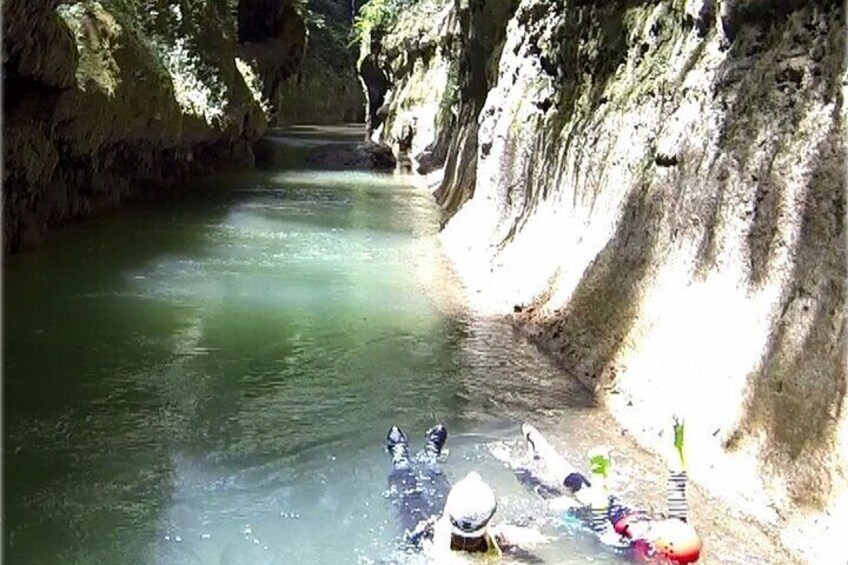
[656, 193]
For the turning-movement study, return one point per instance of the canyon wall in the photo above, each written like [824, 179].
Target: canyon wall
[325, 88]
[655, 192]
[107, 99]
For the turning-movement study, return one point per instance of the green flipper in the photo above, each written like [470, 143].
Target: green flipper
[678, 441]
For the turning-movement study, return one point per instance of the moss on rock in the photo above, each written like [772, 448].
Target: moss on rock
[106, 99]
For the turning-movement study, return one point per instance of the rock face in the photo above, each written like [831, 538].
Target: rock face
[657, 191]
[105, 99]
[272, 37]
[410, 80]
[325, 89]
[362, 156]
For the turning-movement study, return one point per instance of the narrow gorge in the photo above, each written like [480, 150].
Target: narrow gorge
[107, 101]
[650, 193]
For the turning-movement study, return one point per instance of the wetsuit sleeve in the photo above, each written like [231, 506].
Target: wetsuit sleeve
[530, 480]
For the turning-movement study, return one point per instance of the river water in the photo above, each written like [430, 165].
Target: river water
[210, 380]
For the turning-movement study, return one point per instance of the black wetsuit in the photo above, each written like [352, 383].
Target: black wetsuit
[417, 486]
[418, 489]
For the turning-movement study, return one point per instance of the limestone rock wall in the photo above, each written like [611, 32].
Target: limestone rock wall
[325, 88]
[428, 80]
[656, 192]
[411, 82]
[106, 99]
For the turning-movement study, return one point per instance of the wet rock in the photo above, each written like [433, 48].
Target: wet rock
[105, 102]
[682, 161]
[377, 84]
[428, 161]
[360, 156]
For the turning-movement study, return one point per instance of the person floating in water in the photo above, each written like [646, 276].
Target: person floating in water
[417, 485]
[439, 519]
[629, 531]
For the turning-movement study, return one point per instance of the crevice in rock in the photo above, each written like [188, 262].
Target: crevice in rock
[480, 41]
[376, 83]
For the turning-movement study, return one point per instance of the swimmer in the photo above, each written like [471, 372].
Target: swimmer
[417, 485]
[458, 522]
[627, 530]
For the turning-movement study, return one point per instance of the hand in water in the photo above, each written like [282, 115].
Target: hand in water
[522, 536]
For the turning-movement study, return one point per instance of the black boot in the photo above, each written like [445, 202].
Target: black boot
[398, 446]
[436, 438]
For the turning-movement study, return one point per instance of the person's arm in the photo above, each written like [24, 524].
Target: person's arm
[424, 530]
[515, 541]
[564, 504]
[534, 482]
[523, 536]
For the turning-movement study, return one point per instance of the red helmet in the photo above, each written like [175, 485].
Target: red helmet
[676, 540]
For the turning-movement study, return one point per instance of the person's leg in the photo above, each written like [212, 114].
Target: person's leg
[550, 465]
[677, 506]
[398, 447]
[405, 491]
[433, 481]
[674, 537]
[435, 440]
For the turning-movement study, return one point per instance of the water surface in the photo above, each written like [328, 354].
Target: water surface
[210, 380]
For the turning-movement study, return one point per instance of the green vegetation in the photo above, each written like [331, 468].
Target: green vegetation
[379, 15]
[329, 27]
[326, 88]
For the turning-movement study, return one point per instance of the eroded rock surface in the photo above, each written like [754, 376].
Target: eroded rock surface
[656, 192]
[357, 156]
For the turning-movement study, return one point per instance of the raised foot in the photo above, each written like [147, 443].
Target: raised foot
[394, 438]
[436, 438]
[398, 446]
[532, 435]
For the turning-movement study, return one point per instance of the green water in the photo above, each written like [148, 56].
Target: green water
[210, 380]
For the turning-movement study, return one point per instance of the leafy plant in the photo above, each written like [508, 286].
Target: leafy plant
[378, 15]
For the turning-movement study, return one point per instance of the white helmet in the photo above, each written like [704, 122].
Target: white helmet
[470, 505]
